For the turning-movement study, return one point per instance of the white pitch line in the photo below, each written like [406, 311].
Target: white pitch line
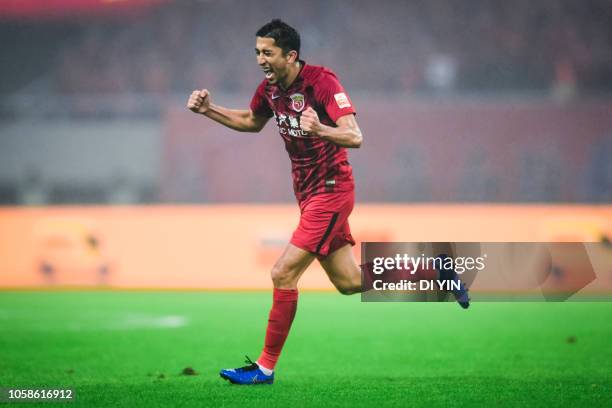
[132, 322]
[99, 322]
[149, 322]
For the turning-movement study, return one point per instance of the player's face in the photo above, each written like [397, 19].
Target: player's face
[272, 60]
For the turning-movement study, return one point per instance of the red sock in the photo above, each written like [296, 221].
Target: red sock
[284, 306]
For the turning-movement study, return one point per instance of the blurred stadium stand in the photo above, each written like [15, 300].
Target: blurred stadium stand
[89, 99]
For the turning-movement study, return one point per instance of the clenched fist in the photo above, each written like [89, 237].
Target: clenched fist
[199, 101]
[309, 121]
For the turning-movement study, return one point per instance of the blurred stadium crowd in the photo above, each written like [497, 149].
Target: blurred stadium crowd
[389, 46]
[85, 100]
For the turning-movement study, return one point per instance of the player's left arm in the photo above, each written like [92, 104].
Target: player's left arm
[345, 134]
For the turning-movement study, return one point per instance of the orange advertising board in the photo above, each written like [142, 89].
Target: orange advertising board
[234, 246]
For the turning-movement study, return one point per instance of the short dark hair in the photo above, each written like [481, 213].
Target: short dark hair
[285, 36]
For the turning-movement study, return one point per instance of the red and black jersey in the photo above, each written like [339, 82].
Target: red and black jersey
[317, 165]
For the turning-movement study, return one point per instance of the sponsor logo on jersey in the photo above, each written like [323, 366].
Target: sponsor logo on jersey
[297, 102]
[289, 125]
[342, 100]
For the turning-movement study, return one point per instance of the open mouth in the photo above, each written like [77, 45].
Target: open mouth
[268, 72]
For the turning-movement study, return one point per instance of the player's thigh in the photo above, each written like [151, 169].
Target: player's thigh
[291, 264]
[342, 267]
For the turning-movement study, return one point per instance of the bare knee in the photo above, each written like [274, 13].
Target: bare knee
[283, 276]
[348, 290]
[349, 287]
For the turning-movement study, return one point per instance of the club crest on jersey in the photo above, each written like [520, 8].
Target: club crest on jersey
[297, 102]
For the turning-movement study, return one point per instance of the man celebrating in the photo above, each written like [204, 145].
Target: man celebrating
[316, 120]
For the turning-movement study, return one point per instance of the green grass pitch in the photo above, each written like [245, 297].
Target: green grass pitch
[129, 349]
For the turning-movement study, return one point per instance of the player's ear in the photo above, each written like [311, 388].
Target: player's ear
[292, 56]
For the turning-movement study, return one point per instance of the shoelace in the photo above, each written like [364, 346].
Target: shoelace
[250, 367]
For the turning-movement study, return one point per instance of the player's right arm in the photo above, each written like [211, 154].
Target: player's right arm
[237, 119]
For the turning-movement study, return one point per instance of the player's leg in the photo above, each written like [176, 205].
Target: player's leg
[340, 264]
[343, 270]
[346, 275]
[285, 276]
[290, 266]
[333, 246]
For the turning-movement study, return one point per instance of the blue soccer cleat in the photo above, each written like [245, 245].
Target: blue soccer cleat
[461, 294]
[247, 375]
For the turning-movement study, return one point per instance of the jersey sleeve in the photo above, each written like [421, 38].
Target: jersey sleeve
[331, 95]
[259, 102]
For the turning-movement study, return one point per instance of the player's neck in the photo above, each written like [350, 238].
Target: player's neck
[294, 71]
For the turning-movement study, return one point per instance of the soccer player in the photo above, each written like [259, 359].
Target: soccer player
[316, 120]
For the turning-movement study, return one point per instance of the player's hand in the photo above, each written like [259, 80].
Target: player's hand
[199, 101]
[309, 121]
